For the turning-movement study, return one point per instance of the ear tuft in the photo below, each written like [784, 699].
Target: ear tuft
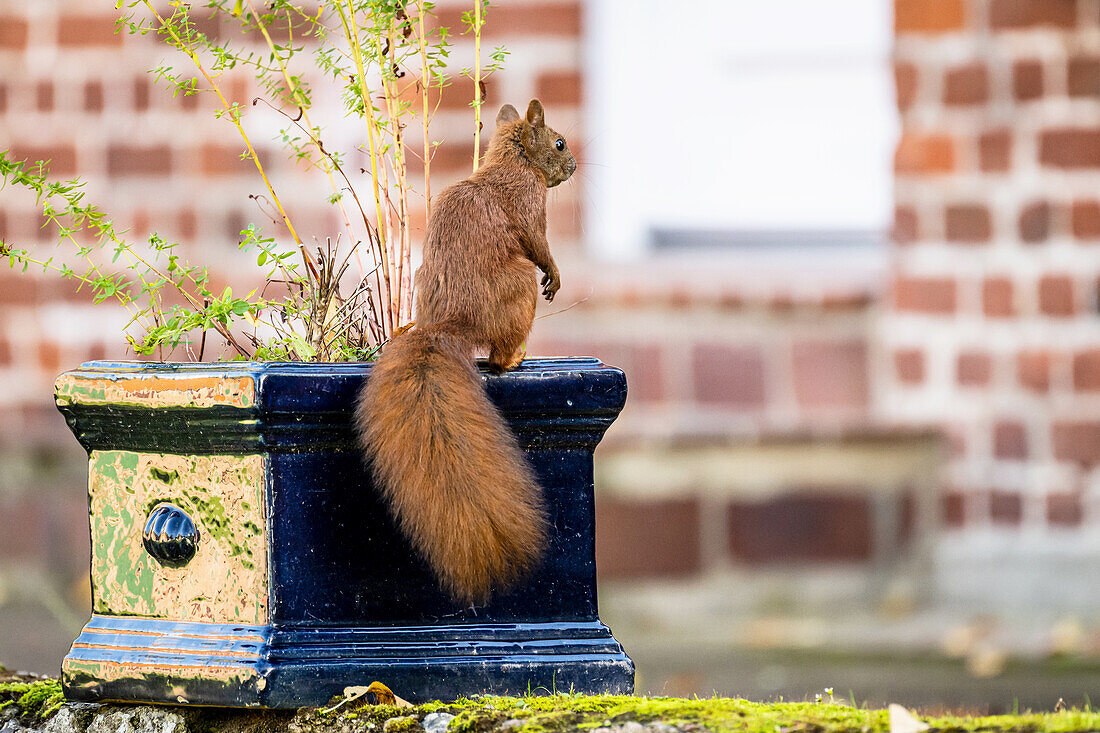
[534, 113]
[507, 114]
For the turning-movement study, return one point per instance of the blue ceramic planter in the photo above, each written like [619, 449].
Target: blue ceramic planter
[240, 555]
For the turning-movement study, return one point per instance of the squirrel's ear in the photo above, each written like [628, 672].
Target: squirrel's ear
[534, 113]
[507, 114]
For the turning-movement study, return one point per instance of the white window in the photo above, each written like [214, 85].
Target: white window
[738, 124]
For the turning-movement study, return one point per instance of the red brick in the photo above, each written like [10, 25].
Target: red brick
[1086, 219]
[97, 351]
[1076, 441]
[13, 32]
[209, 23]
[642, 362]
[93, 96]
[781, 303]
[49, 357]
[133, 160]
[732, 376]
[1027, 80]
[1033, 370]
[235, 221]
[1035, 222]
[995, 151]
[1083, 76]
[3, 98]
[141, 94]
[521, 19]
[905, 229]
[1010, 440]
[928, 16]
[43, 96]
[1070, 148]
[1056, 296]
[187, 224]
[973, 369]
[953, 508]
[924, 154]
[15, 288]
[646, 372]
[1065, 510]
[830, 373]
[968, 223]
[561, 88]
[656, 537]
[1024, 14]
[1006, 507]
[800, 527]
[188, 102]
[47, 231]
[87, 30]
[905, 83]
[458, 94]
[924, 294]
[1086, 371]
[61, 159]
[909, 366]
[966, 85]
[997, 294]
[221, 160]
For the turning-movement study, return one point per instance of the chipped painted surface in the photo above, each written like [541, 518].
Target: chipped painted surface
[155, 391]
[225, 582]
[205, 669]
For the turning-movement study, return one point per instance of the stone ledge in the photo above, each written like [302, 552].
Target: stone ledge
[39, 708]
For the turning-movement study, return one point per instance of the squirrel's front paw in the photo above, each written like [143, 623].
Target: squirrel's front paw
[551, 283]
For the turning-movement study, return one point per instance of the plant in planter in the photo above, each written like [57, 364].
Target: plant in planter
[240, 554]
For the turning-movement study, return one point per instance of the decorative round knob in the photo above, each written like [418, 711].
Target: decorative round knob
[170, 536]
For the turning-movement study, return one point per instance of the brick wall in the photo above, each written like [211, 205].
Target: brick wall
[991, 325]
[73, 91]
[781, 425]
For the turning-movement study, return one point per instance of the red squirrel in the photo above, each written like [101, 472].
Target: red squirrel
[454, 477]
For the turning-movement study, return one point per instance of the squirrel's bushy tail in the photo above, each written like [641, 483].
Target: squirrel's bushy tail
[448, 466]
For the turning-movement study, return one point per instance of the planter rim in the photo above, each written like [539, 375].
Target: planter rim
[541, 363]
[208, 407]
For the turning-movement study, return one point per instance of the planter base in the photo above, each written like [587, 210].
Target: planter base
[241, 555]
[118, 658]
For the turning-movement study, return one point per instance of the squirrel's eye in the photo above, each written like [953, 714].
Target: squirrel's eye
[559, 144]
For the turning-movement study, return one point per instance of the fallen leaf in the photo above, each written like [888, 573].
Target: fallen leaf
[380, 695]
[384, 695]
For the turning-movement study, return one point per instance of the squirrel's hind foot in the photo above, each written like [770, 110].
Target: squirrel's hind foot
[499, 366]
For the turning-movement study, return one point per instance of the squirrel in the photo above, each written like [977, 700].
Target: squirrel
[452, 473]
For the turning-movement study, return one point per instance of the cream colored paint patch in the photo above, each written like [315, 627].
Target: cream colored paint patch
[226, 580]
[155, 391]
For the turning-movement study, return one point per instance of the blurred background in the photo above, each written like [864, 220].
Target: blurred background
[847, 251]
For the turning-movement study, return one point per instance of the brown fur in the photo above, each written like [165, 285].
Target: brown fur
[454, 477]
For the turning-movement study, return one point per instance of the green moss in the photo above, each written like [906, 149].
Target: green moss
[37, 700]
[568, 712]
[402, 724]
